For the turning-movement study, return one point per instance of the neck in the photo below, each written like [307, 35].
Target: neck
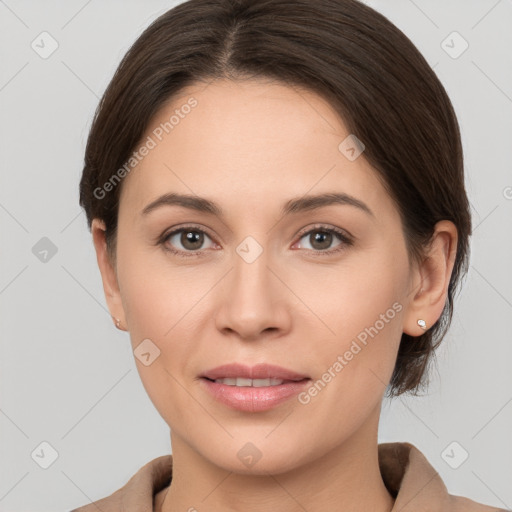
[347, 477]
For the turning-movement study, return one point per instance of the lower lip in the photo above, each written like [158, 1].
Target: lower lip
[251, 399]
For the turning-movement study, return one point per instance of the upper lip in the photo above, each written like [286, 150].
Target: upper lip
[259, 371]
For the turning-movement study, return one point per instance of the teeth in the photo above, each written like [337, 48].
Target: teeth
[242, 382]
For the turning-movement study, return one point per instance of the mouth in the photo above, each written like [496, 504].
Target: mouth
[253, 389]
[255, 383]
[243, 374]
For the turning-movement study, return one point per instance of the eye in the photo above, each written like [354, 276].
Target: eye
[188, 239]
[321, 238]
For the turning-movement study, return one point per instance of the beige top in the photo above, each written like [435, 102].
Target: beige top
[407, 474]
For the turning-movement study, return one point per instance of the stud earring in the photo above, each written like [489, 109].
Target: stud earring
[117, 322]
[422, 324]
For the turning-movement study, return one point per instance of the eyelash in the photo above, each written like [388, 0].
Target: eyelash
[346, 240]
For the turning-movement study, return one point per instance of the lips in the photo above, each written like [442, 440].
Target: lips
[258, 372]
[253, 389]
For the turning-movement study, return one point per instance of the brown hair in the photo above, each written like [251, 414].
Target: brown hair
[352, 56]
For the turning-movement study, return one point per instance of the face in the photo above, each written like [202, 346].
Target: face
[266, 276]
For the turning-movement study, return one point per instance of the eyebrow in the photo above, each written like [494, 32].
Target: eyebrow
[300, 204]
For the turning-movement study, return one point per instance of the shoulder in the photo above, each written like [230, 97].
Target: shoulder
[416, 485]
[138, 493]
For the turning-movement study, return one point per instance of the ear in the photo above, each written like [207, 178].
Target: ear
[108, 273]
[431, 280]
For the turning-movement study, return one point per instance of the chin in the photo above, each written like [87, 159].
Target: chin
[258, 457]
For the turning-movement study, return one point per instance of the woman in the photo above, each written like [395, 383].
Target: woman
[275, 191]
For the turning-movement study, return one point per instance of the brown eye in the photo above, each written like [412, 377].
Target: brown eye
[191, 240]
[322, 240]
[319, 240]
[186, 240]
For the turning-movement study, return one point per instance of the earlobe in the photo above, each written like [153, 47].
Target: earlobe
[433, 277]
[117, 323]
[108, 274]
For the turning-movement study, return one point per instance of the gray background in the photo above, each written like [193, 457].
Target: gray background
[68, 377]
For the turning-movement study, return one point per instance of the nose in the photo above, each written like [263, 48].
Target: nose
[253, 302]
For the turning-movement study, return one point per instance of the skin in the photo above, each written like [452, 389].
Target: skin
[251, 146]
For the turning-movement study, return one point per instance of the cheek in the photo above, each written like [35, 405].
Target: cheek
[155, 297]
[361, 293]
[361, 306]
[354, 370]
[164, 312]
[159, 326]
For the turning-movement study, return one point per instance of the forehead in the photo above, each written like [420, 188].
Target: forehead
[247, 143]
